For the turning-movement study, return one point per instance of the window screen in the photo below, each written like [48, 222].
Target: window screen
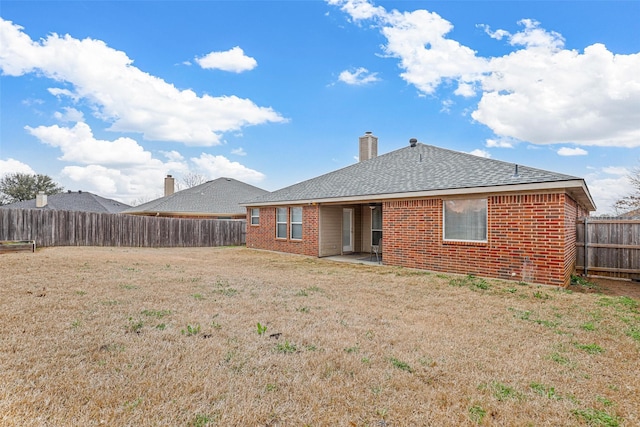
[465, 220]
[296, 223]
[255, 216]
[281, 223]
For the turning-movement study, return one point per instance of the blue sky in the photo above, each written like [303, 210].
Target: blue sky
[111, 96]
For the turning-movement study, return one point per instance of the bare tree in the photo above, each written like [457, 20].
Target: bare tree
[630, 201]
[191, 179]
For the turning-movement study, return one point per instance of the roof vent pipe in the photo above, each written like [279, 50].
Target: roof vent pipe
[515, 171]
[413, 142]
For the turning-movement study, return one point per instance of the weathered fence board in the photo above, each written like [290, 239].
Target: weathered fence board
[608, 247]
[67, 228]
[17, 246]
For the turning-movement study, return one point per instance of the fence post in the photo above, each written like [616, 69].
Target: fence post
[586, 247]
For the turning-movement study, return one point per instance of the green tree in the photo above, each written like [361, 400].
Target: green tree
[16, 187]
[630, 201]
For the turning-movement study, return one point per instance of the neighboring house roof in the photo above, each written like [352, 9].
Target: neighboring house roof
[219, 197]
[422, 171]
[631, 214]
[73, 201]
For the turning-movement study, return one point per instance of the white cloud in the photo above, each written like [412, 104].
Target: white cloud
[358, 77]
[239, 151]
[98, 179]
[480, 153]
[577, 151]
[220, 166]
[69, 114]
[127, 185]
[607, 189]
[446, 105]
[541, 92]
[32, 101]
[418, 39]
[500, 143]
[233, 60]
[14, 166]
[120, 169]
[358, 9]
[616, 170]
[78, 145]
[498, 34]
[123, 95]
[548, 97]
[173, 155]
[531, 36]
[466, 90]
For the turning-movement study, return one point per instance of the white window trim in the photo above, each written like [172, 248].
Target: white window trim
[444, 219]
[257, 217]
[291, 223]
[281, 222]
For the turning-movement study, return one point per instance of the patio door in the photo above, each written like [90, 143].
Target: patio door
[347, 230]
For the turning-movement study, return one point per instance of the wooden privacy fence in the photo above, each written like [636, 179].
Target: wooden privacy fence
[67, 228]
[608, 247]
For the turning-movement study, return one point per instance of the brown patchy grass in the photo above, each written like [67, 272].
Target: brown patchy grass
[148, 337]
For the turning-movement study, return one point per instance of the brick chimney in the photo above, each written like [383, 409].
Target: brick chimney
[169, 185]
[368, 146]
[41, 199]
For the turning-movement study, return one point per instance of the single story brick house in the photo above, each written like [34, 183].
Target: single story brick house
[434, 209]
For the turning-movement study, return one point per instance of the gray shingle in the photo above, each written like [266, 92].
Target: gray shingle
[412, 169]
[220, 196]
[74, 201]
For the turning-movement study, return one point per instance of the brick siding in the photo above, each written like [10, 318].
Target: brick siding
[263, 236]
[531, 237]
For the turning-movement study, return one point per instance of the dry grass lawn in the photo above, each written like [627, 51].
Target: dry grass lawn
[235, 337]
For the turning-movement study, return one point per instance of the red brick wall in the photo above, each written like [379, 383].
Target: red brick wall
[573, 212]
[263, 236]
[529, 238]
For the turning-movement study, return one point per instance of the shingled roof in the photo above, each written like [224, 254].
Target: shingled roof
[74, 201]
[219, 197]
[419, 171]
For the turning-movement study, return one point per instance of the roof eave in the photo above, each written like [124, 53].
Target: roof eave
[182, 213]
[577, 188]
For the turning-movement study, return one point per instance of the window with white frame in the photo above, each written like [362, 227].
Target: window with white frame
[255, 216]
[465, 220]
[281, 223]
[296, 223]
